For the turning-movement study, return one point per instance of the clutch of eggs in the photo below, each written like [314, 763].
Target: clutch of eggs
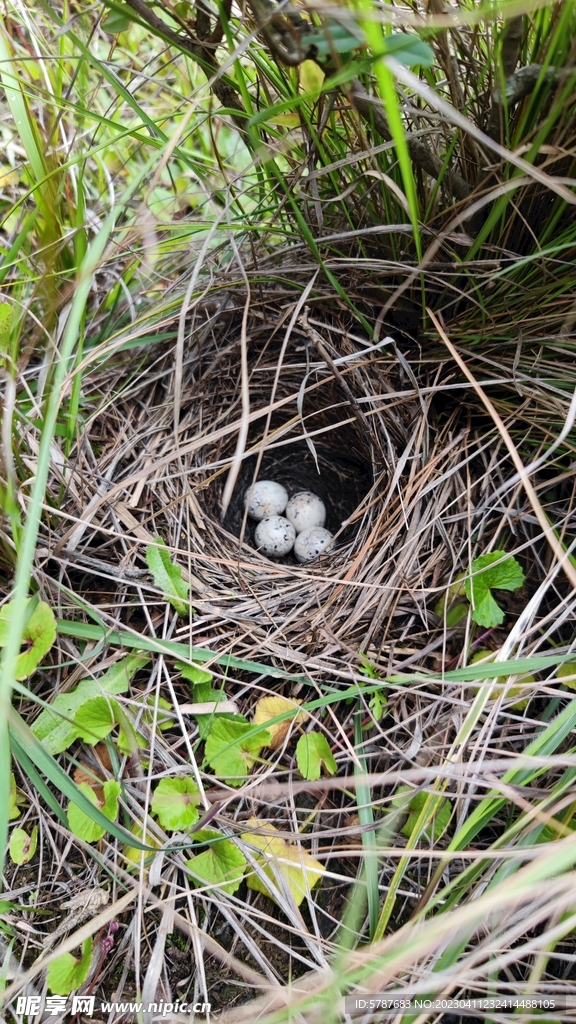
[301, 527]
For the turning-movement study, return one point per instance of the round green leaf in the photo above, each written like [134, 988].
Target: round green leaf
[175, 803]
[96, 718]
[231, 750]
[222, 864]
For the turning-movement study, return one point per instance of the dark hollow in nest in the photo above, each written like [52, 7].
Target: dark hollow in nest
[339, 473]
[318, 438]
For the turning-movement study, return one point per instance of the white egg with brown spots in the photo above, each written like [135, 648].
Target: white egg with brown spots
[312, 543]
[275, 537]
[305, 510]
[265, 498]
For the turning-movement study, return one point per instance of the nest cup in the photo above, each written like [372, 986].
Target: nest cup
[345, 413]
[313, 443]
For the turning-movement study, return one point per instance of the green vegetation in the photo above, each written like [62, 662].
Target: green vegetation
[288, 239]
[222, 864]
[174, 802]
[168, 576]
[313, 755]
[66, 973]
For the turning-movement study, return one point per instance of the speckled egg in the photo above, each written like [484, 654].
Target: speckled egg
[311, 543]
[274, 536]
[305, 511]
[265, 498]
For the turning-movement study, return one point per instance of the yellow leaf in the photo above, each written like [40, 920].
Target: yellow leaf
[270, 707]
[311, 77]
[133, 854]
[298, 869]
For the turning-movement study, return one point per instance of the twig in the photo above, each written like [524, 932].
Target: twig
[244, 393]
[283, 35]
[524, 81]
[511, 43]
[282, 29]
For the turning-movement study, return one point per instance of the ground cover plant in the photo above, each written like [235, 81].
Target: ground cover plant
[332, 246]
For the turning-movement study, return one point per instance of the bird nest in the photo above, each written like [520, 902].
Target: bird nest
[299, 395]
[316, 407]
[313, 420]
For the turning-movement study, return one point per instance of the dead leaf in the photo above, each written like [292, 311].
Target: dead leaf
[298, 869]
[270, 707]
